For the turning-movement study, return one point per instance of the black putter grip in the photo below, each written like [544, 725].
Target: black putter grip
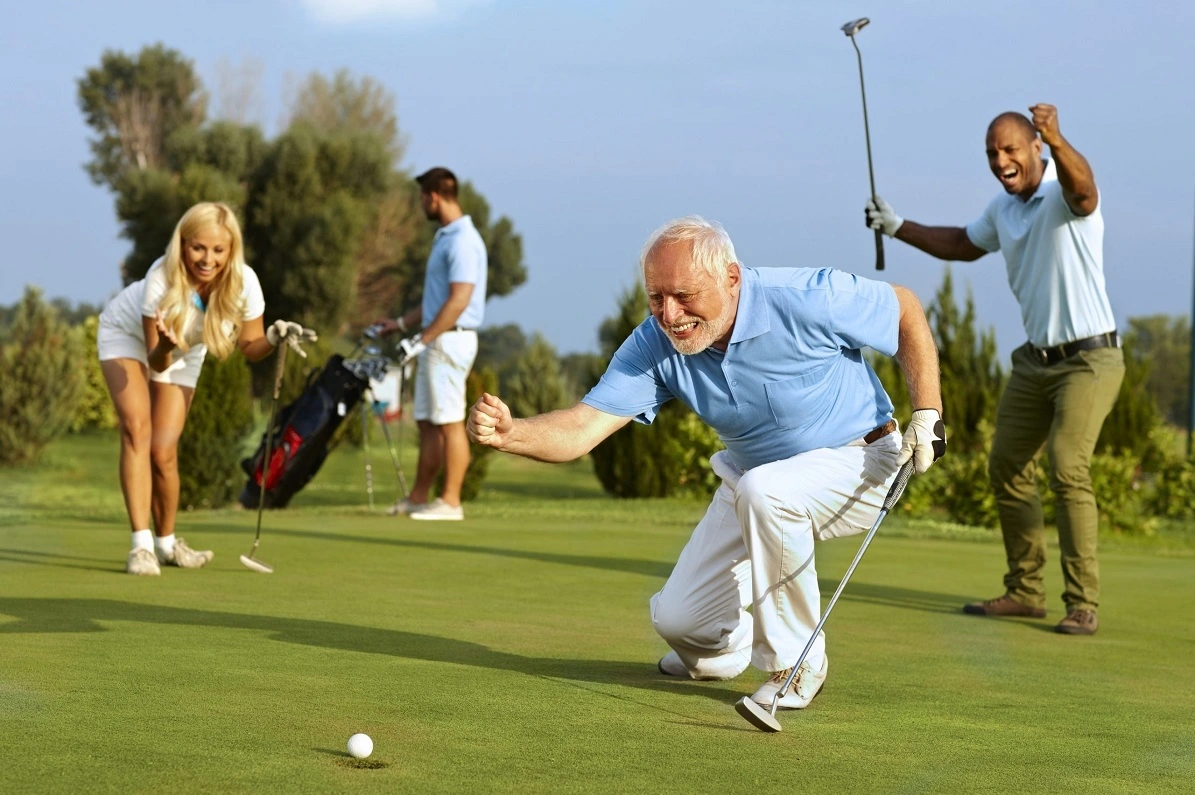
[879, 250]
[898, 485]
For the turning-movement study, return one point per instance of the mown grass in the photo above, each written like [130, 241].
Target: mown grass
[513, 653]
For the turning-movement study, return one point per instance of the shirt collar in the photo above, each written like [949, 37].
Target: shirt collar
[751, 319]
[1050, 174]
[455, 226]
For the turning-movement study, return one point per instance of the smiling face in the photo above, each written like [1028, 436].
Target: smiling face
[205, 254]
[1014, 156]
[691, 306]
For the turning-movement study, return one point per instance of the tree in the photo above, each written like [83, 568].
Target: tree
[1166, 342]
[537, 385]
[220, 418]
[499, 348]
[344, 104]
[308, 203]
[41, 384]
[133, 104]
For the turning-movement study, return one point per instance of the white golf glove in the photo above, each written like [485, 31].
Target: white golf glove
[924, 440]
[411, 348]
[294, 334]
[881, 216]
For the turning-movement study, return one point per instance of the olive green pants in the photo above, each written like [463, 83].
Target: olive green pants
[1060, 407]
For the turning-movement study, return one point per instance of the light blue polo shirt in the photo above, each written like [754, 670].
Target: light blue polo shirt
[1055, 262]
[458, 255]
[793, 377]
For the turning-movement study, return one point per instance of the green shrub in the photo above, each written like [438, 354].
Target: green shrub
[210, 448]
[537, 385]
[95, 410]
[40, 381]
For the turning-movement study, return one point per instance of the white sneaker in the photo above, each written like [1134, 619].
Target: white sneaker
[186, 558]
[404, 507]
[806, 684]
[144, 562]
[440, 511]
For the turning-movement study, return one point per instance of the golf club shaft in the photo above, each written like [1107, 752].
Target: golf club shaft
[897, 488]
[265, 462]
[366, 399]
[867, 137]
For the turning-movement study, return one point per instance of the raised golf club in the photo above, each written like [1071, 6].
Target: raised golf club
[249, 561]
[765, 719]
[850, 29]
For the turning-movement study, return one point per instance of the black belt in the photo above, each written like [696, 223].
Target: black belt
[461, 328]
[880, 432]
[1048, 356]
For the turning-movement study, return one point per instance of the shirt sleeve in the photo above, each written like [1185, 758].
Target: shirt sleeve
[982, 231]
[630, 386]
[863, 313]
[251, 294]
[466, 261]
[155, 289]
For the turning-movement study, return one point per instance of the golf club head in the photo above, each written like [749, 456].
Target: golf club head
[373, 350]
[256, 565]
[756, 715]
[373, 332]
[854, 26]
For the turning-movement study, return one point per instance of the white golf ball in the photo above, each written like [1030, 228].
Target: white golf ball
[360, 746]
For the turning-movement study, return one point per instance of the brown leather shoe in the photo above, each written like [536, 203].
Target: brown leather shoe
[1004, 606]
[1078, 622]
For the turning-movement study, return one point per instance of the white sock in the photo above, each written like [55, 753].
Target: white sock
[164, 546]
[143, 539]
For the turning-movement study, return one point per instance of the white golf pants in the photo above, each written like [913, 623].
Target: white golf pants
[754, 548]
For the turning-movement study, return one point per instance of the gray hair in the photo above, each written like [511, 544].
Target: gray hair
[712, 250]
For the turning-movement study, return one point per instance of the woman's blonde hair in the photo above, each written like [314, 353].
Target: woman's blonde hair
[225, 304]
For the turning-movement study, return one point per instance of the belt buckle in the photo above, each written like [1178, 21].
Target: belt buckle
[1043, 355]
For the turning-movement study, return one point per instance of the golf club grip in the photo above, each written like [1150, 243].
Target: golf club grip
[879, 250]
[898, 485]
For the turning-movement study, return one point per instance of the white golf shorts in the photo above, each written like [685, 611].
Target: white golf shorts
[440, 378]
[117, 343]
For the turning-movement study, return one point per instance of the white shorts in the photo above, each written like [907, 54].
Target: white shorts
[117, 343]
[440, 379]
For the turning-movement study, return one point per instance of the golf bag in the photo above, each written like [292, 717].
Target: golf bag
[301, 434]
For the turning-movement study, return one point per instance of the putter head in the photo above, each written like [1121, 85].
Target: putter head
[256, 565]
[756, 715]
[854, 26]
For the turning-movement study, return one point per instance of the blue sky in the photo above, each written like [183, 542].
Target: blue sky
[592, 122]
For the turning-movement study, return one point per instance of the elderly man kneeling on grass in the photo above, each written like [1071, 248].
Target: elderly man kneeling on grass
[772, 360]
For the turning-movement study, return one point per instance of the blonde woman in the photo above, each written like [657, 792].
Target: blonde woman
[153, 337]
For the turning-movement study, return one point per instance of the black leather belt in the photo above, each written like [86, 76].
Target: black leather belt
[1048, 356]
[880, 432]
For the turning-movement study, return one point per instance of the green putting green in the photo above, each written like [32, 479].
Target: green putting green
[513, 653]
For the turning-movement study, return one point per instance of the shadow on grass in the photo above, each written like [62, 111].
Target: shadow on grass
[647, 568]
[892, 596]
[85, 615]
[55, 559]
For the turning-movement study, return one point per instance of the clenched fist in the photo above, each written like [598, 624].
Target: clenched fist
[489, 422]
[1045, 121]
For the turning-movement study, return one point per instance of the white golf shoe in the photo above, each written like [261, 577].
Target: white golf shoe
[806, 684]
[143, 562]
[439, 511]
[405, 507]
[186, 558]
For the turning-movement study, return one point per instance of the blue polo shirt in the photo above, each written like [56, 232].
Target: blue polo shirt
[793, 377]
[458, 255]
